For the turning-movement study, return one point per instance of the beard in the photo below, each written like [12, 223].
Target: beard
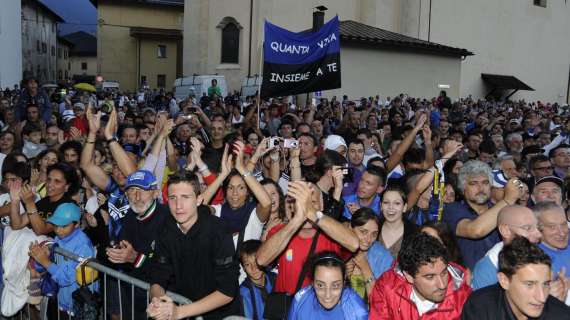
[480, 198]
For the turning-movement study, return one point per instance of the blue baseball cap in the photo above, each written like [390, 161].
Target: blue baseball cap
[65, 214]
[143, 179]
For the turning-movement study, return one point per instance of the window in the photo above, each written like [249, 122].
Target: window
[230, 43]
[65, 53]
[540, 3]
[161, 80]
[44, 47]
[83, 65]
[59, 74]
[69, 65]
[38, 71]
[38, 46]
[66, 74]
[143, 81]
[161, 53]
[53, 51]
[59, 52]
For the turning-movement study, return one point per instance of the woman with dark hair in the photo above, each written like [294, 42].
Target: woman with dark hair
[394, 228]
[278, 212]
[240, 212]
[371, 259]
[442, 232]
[327, 297]
[45, 159]
[61, 183]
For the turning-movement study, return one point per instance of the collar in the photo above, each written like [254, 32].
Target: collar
[70, 236]
[148, 213]
[423, 306]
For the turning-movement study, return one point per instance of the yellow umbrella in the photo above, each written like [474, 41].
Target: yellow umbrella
[85, 86]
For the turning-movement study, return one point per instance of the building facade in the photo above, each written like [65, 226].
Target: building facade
[83, 56]
[11, 42]
[39, 41]
[508, 37]
[140, 42]
[63, 59]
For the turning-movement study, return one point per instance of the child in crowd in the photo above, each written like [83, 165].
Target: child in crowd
[258, 284]
[32, 140]
[69, 237]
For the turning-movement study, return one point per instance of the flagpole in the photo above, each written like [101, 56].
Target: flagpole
[259, 87]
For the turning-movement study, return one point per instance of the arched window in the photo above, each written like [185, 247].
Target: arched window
[230, 40]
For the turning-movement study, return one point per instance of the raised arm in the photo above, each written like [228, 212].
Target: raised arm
[397, 156]
[263, 199]
[226, 167]
[125, 164]
[295, 164]
[301, 192]
[487, 221]
[97, 176]
[274, 246]
[17, 220]
[429, 160]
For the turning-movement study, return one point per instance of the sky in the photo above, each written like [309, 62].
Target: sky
[80, 15]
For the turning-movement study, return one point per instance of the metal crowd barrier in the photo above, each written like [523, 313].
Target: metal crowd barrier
[104, 273]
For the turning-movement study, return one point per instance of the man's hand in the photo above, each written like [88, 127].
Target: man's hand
[40, 254]
[426, 133]
[94, 120]
[302, 193]
[124, 254]
[513, 191]
[450, 148]
[421, 122]
[166, 128]
[111, 127]
[75, 134]
[162, 308]
[239, 165]
[352, 207]
[559, 287]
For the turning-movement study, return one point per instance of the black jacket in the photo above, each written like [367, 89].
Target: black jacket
[197, 263]
[491, 303]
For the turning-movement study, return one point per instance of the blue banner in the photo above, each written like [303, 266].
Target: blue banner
[300, 62]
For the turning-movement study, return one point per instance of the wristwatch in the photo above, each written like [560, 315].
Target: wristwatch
[319, 215]
[112, 139]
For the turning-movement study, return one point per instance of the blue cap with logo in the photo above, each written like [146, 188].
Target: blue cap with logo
[143, 179]
[65, 214]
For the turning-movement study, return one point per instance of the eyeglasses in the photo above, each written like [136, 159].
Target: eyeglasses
[563, 227]
[525, 227]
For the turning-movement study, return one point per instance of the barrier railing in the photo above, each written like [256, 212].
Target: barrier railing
[109, 273]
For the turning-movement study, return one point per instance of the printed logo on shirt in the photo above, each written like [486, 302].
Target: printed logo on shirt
[117, 213]
[289, 255]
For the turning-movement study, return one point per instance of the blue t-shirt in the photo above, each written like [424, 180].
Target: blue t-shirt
[305, 305]
[353, 198]
[472, 250]
[560, 258]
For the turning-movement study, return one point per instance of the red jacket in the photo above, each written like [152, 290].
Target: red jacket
[390, 297]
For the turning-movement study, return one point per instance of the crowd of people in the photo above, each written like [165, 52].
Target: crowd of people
[377, 208]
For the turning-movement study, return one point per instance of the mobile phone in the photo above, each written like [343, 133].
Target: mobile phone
[314, 101]
[193, 109]
[290, 144]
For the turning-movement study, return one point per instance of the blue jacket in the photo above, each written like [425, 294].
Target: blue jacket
[63, 270]
[485, 270]
[379, 259]
[246, 297]
[306, 306]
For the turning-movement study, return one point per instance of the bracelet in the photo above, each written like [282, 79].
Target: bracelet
[247, 174]
[89, 141]
[32, 212]
[202, 169]
[112, 139]
[508, 204]
[369, 280]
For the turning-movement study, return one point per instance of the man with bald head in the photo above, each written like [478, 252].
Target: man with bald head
[512, 221]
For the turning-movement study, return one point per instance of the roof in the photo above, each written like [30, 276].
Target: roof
[499, 81]
[56, 16]
[360, 33]
[171, 3]
[155, 33]
[84, 44]
[65, 41]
